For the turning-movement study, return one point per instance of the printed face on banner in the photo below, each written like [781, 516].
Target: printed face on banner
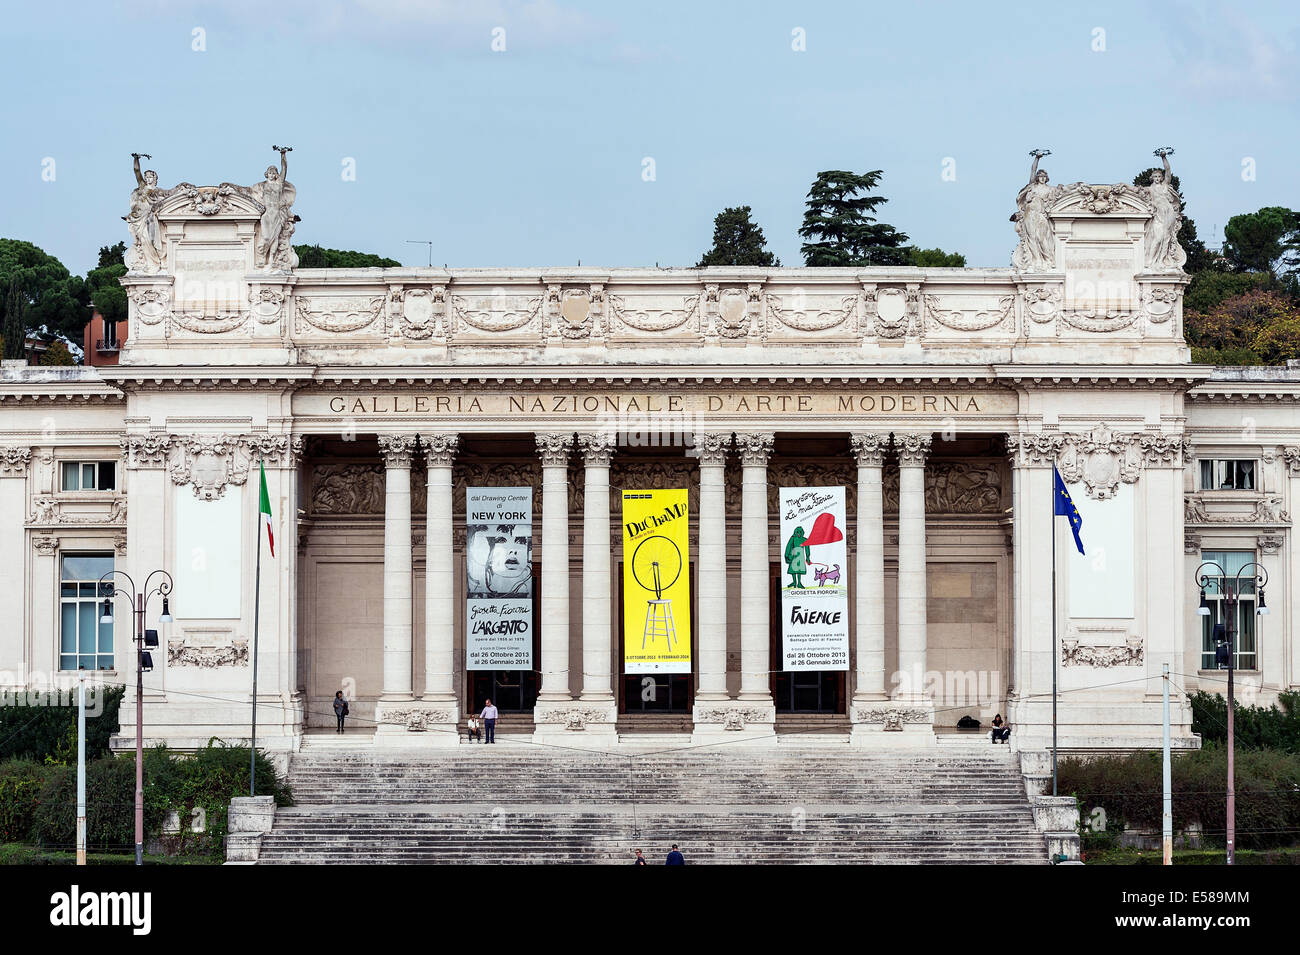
[656, 582]
[499, 578]
[814, 585]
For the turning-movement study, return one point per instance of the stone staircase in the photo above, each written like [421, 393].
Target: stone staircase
[737, 804]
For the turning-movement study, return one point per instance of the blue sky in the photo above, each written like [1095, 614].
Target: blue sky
[534, 155]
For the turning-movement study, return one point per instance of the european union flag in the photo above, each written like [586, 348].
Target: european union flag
[1063, 505]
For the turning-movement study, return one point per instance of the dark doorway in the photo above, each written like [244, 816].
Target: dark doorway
[513, 691]
[799, 691]
[655, 692]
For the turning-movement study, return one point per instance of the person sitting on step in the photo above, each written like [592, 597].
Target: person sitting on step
[1001, 730]
[472, 733]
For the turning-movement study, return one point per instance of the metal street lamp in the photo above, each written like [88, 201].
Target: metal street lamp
[139, 602]
[1225, 655]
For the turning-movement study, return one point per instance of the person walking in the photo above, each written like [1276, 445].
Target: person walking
[640, 859]
[340, 708]
[675, 857]
[489, 716]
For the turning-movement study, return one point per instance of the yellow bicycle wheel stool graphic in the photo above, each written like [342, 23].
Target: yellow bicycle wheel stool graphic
[656, 565]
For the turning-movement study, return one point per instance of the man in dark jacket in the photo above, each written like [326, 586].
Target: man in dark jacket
[675, 857]
[340, 708]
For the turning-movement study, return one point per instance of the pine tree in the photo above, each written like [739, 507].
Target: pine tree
[15, 321]
[841, 227]
[737, 240]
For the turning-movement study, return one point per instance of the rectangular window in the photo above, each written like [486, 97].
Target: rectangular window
[1224, 474]
[89, 475]
[83, 640]
[1216, 595]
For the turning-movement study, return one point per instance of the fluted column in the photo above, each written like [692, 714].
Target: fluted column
[439, 583]
[597, 685]
[869, 449]
[396, 450]
[755, 573]
[912, 452]
[553, 449]
[711, 565]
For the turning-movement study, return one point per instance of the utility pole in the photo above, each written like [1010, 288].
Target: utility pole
[81, 765]
[1167, 812]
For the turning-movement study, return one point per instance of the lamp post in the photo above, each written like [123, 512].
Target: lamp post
[139, 602]
[1225, 654]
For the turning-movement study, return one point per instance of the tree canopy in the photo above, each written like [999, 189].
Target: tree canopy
[1263, 241]
[737, 240]
[106, 292]
[840, 226]
[318, 257]
[51, 297]
[935, 258]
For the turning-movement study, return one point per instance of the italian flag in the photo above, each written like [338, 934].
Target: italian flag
[266, 510]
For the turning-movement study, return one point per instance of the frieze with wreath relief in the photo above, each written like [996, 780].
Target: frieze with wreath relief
[339, 315]
[969, 319]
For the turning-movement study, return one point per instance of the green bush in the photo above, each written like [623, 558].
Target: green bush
[35, 731]
[20, 790]
[110, 805]
[1129, 789]
[1254, 727]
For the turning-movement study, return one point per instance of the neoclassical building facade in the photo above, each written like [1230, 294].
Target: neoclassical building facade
[941, 400]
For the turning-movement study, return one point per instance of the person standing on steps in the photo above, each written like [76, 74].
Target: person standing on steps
[675, 857]
[340, 708]
[489, 716]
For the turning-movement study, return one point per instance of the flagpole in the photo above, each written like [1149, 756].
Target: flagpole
[1053, 634]
[257, 607]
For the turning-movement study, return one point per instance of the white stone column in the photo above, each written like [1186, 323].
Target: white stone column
[439, 590]
[912, 451]
[600, 712]
[392, 712]
[869, 584]
[711, 566]
[13, 589]
[555, 701]
[758, 712]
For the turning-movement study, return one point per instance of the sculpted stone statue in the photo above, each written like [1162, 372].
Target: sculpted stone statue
[1037, 249]
[146, 252]
[1163, 252]
[276, 194]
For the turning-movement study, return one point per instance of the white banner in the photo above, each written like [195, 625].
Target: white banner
[499, 578]
[814, 582]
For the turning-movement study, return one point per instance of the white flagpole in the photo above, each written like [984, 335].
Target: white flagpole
[257, 607]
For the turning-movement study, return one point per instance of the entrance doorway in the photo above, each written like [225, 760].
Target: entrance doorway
[799, 691]
[512, 691]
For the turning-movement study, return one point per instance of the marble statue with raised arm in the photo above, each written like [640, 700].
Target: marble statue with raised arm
[1037, 249]
[146, 252]
[1163, 253]
[276, 194]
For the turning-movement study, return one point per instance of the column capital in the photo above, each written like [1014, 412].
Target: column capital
[913, 447]
[754, 447]
[397, 449]
[1034, 450]
[597, 448]
[1290, 455]
[145, 450]
[869, 448]
[440, 448]
[554, 448]
[711, 447]
[14, 461]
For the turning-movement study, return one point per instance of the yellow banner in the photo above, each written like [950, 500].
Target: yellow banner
[656, 582]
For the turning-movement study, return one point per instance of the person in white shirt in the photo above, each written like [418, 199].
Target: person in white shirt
[472, 731]
[489, 716]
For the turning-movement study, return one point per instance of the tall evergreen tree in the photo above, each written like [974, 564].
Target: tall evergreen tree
[841, 227]
[1263, 241]
[737, 240]
[15, 320]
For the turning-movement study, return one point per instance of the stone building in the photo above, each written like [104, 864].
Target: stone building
[941, 399]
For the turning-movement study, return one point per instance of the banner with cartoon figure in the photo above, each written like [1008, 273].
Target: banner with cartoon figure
[656, 582]
[499, 578]
[814, 584]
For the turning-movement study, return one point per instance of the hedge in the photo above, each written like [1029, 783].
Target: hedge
[1254, 727]
[38, 802]
[1129, 789]
[33, 730]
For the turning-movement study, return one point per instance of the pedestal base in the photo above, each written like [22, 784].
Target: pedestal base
[575, 723]
[416, 723]
[892, 724]
[734, 721]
